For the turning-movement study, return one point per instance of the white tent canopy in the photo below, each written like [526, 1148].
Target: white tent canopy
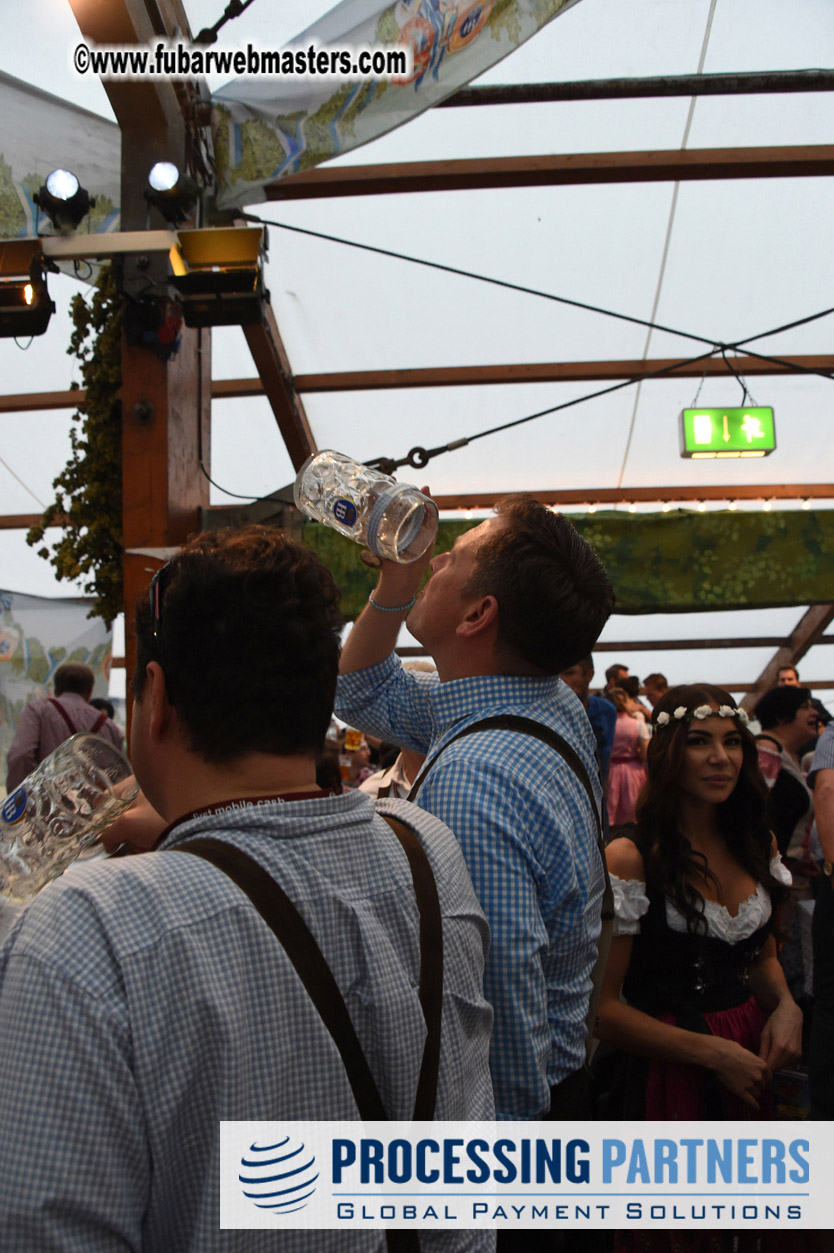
[722, 259]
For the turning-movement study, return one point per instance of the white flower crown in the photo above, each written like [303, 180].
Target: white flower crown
[682, 714]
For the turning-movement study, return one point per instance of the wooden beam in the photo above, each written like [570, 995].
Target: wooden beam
[23, 521]
[33, 402]
[576, 496]
[807, 632]
[821, 685]
[480, 173]
[550, 372]
[627, 495]
[151, 107]
[461, 376]
[273, 366]
[633, 88]
[652, 646]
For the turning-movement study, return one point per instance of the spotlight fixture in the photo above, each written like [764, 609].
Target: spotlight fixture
[25, 307]
[701, 507]
[732, 505]
[806, 504]
[666, 506]
[218, 273]
[174, 194]
[632, 508]
[767, 505]
[592, 509]
[64, 201]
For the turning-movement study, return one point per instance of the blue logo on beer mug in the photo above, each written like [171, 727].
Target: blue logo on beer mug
[344, 511]
[14, 806]
[278, 1177]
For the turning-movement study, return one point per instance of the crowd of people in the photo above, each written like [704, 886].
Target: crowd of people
[143, 999]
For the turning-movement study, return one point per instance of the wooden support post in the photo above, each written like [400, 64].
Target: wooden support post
[165, 405]
[270, 357]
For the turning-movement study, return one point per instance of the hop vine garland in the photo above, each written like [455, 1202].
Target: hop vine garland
[89, 488]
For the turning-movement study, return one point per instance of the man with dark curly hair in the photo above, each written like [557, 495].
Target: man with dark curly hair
[519, 598]
[145, 999]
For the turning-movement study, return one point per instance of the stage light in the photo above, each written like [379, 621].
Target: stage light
[218, 273]
[25, 307]
[64, 201]
[172, 193]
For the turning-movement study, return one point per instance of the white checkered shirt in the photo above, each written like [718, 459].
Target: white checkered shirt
[143, 1000]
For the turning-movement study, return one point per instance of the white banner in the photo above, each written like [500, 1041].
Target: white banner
[42, 133]
[267, 129]
[36, 635]
[525, 1175]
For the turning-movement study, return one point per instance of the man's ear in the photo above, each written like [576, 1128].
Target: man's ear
[162, 712]
[482, 615]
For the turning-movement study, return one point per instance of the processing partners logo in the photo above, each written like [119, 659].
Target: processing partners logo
[517, 1176]
[279, 1177]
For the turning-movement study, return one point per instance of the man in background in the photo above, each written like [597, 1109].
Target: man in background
[654, 686]
[788, 676]
[44, 724]
[612, 677]
[601, 713]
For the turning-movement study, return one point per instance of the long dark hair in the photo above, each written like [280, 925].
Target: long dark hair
[672, 865]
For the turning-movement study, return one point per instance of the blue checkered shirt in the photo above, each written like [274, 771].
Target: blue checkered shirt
[823, 753]
[527, 832]
[143, 1000]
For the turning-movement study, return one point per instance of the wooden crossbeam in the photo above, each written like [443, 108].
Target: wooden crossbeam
[633, 88]
[409, 650]
[549, 170]
[652, 646]
[659, 493]
[552, 372]
[576, 496]
[461, 376]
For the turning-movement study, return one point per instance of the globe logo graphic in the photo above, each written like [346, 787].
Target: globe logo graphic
[278, 1177]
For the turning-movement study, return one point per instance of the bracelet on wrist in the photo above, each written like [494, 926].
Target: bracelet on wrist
[391, 608]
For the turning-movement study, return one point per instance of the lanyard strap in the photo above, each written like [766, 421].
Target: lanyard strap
[97, 725]
[281, 915]
[67, 719]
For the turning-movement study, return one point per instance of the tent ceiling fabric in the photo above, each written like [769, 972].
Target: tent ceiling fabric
[742, 257]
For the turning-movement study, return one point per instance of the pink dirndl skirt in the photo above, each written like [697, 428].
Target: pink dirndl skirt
[625, 779]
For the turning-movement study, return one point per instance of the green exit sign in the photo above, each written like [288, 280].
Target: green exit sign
[727, 433]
